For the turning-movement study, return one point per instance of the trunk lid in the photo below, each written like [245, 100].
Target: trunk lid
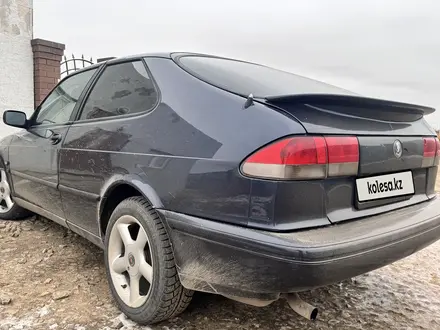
[377, 154]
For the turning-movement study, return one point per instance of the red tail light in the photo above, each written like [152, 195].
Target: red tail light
[429, 147]
[305, 157]
[293, 151]
[431, 152]
[343, 155]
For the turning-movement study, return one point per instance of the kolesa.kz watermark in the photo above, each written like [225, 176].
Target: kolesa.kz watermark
[374, 188]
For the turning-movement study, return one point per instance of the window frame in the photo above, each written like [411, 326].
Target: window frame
[33, 118]
[79, 111]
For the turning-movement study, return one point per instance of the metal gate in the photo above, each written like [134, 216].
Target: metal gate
[73, 64]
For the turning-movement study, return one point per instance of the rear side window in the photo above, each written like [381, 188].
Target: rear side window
[247, 78]
[122, 89]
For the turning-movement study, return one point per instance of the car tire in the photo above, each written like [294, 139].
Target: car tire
[9, 210]
[140, 264]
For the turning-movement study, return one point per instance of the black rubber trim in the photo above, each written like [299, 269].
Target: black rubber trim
[35, 179]
[85, 194]
[86, 234]
[36, 209]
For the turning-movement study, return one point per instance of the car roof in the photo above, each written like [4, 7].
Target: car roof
[132, 57]
[168, 55]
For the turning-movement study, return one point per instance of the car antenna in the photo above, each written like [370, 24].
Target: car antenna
[249, 101]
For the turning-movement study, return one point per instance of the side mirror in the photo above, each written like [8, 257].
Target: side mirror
[15, 118]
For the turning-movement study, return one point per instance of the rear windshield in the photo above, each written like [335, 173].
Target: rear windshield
[247, 78]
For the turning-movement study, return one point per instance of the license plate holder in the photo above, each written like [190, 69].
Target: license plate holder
[385, 186]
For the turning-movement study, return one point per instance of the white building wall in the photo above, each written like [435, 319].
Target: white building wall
[16, 58]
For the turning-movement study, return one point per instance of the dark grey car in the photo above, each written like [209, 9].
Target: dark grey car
[202, 173]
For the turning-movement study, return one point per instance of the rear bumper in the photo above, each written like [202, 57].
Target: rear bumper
[231, 260]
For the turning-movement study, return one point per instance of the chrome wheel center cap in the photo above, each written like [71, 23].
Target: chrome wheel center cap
[131, 260]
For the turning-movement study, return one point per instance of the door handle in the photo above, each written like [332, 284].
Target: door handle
[56, 138]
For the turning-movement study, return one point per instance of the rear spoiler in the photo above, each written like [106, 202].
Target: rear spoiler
[412, 110]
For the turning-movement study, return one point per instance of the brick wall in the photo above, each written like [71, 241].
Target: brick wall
[47, 60]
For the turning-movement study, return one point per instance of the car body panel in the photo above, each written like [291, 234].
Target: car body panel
[33, 161]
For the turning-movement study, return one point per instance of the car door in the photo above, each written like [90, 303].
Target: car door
[34, 153]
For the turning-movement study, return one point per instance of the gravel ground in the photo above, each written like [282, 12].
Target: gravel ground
[53, 279]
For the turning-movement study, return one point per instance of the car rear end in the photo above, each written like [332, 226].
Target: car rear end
[354, 192]
[360, 157]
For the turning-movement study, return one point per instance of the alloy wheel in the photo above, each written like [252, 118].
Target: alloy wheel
[130, 261]
[6, 202]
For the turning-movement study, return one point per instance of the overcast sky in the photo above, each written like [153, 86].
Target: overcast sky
[379, 48]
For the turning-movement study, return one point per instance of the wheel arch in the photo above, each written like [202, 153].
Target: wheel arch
[119, 188]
